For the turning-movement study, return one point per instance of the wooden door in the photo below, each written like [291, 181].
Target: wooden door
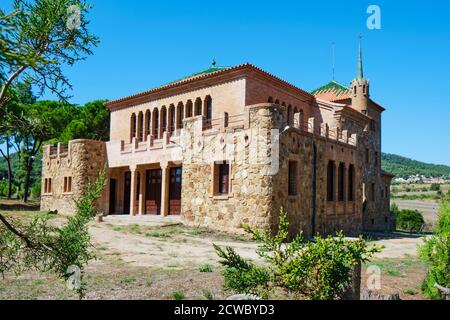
[175, 191]
[126, 193]
[153, 192]
[112, 196]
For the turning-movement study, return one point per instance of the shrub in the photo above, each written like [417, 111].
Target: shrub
[178, 295]
[36, 190]
[435, 252]
[320, 269]
[409, 220]
[206, 268]
[208, 294]
[435, 187]
[394, 208]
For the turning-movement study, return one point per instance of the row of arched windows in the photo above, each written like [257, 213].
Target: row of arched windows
[158, 121]
[341, 183]
[290, 112]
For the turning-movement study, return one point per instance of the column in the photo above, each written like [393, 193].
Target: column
[133, 191]
[142, 193]
[165, 189]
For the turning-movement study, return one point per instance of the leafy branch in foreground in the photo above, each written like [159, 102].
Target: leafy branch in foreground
[45, 248]
[319, 270]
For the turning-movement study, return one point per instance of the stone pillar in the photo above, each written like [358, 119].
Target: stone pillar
[165, 189]
[133, 191]
[142, 192]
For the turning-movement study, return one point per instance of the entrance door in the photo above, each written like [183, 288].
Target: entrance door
[175, 191]
[153, 192]
[126, 193]
[112, 196]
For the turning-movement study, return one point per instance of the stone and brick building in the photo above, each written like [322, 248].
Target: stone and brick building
[233, 145]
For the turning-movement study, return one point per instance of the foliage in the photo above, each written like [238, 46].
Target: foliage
[46, 248]
[409, 220]
[319, 269]
[4, 189]
[403, 167]
[435, 187]
[206, 268]
[178, 295]
[38, 38]
[36, 190]
[394, 208]
[435, 252]
[207, 294]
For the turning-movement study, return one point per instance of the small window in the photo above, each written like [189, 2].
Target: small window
[67, 184]
[351, 181]
[373, 125]
[48, 185]
[292, 180]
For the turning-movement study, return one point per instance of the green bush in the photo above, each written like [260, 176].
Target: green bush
[178, 295]
[435, 252]
[36, 190]
[435, 187]
[4, 188]
[320, 270]
[394, 209]
[409, 220]
[206, 268]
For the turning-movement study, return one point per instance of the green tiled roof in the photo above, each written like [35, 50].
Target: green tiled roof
[333, 85]
[209, 70]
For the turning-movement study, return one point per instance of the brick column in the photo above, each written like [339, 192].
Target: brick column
[142, 192]
[165, 190]
[133, 191]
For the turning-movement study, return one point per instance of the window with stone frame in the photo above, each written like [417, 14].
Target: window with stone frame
[67, 185]
[292, 178]
[48, 186]
[221, 179]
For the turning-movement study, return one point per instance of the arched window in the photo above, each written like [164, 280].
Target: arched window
[148, 124]
[351, 182]
[180, 115]
[156, 123]
[289, 115]
[302, 119]
[330, 181]
[189, 109]
[163, 120]
[141, 127]
[133, 126]
[171, 118]
[198, 107]
[208, 109]
[341, 191]
[270, 100]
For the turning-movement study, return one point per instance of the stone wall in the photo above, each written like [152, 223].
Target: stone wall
[81, 161]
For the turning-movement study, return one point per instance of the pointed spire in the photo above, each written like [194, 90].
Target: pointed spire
[360, 59]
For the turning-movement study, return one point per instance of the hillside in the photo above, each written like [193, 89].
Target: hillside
[404, 167]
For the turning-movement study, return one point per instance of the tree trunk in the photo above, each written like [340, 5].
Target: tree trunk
[10, 176]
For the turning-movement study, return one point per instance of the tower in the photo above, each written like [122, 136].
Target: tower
[360, 87]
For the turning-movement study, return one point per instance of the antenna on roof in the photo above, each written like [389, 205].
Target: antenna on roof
[333, 54]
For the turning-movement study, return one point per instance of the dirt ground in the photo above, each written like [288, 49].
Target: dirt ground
[157, 258]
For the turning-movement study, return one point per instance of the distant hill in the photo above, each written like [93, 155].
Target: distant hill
[404, 167]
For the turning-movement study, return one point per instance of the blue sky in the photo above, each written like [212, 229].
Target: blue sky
[148, 43]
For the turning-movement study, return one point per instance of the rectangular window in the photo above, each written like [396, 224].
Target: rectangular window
[47, 185]
[341, 173]
[330, 181]
[351, 173]
[223, 179]
[292, 180]
[67, 184]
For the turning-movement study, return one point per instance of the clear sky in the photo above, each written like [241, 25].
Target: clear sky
[148, 43]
